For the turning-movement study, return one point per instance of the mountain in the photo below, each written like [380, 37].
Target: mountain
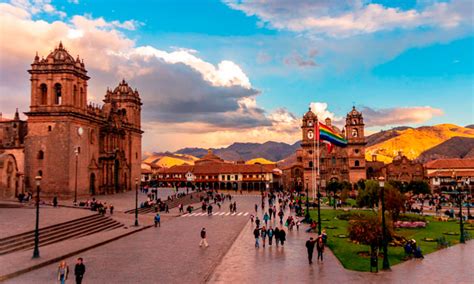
[271, 151]
[384, 135]
[414, 141]
[471, 126]
[169, 159]
[456, 147]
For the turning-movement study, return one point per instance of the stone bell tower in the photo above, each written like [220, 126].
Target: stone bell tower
[308, 146]
[355, 145]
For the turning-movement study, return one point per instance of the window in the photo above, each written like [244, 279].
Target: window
[50, 128]
[236, 177]
[223, 177]
[228, 177]
[43, 94]
[311, 164]
[40, 173]
[81, 97]
[40, 155]
[333, 161]
[57, 94]
[74, 96]
[356, 163]
[356, 151]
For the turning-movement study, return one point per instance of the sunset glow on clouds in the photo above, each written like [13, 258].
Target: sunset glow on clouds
[189, 98]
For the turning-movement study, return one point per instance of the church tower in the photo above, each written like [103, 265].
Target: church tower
[57, 146]
[308, 154]
[355, 145]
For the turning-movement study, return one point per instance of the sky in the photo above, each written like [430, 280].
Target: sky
[211, 73]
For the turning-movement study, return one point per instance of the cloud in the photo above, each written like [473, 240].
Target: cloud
[180, 90]
[321, 110]
[298, 60]
[348, 18]
[399, 115]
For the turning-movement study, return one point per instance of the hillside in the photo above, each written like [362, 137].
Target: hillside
[259, 161]
[414, 141]
[271, 151]
[456, 147]
[169, 159]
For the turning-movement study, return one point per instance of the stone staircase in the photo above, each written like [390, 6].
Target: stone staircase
[187, 199]
[59, 232]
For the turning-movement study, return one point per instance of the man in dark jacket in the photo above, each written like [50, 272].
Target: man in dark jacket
[310, 248]
[79, 270]
[203, 238]
[282, 236]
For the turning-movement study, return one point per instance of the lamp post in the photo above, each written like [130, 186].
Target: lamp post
[76, 151]
[36, 249]
[307, 205]
[136, 202]
[385, 264]
[319, 207]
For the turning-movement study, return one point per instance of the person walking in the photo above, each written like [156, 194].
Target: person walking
[282, 236]
[157, 220]
[270, 234]
[266, 218]
[264, 235]
[270, 211]
[256, 234]
[320, 247]
[111, 208]
[79, 270]
[235, 206]
[55, 201]
[63, 272]
[310, 248]
[167, 208]
[277, 236]
[281, 214]
[257, 222]
[203, 238]
[256, 207]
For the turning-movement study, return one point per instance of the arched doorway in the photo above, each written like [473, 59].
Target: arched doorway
[92, 184]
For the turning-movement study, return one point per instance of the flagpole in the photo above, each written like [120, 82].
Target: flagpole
[317, 185]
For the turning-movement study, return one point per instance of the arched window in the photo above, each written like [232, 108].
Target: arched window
[43, 94]
[74, 96]
[356, 163]
[311, 164]
[40, 173]
[57, 94]
[40, 155]
[81, 97]
[333, 160]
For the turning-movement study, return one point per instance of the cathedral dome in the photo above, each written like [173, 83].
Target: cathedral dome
[60, 55]
[354, 112]
[309, 114]
[123, 89]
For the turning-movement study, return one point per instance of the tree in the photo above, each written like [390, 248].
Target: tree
[367, 230]
[418, 187]
[369, 195]
[394, 201]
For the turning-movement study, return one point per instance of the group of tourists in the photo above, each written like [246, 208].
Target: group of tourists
[79, 271]
[319, 243]
[278, 233]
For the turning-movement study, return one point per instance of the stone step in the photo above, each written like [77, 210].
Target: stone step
[58, 234]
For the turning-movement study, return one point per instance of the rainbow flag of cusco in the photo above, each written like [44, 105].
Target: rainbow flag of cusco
[325, 133]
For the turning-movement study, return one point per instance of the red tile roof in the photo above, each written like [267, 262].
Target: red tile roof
[449, 173]
[450, 164]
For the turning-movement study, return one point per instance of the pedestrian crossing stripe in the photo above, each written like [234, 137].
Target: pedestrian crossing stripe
[242, 214]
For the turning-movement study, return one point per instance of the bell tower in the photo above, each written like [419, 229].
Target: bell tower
[58, 83]
[355, 145]
[308, 145]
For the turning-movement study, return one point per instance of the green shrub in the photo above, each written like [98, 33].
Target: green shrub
[411, 218]
[351, 215]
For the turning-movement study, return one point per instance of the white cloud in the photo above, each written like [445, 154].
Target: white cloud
[347, 18]
[399, 115]
[321, 110]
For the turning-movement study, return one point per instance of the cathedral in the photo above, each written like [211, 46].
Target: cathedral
[337, 164]
[76, 147]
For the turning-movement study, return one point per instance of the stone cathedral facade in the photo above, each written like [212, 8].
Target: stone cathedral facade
[73, 144]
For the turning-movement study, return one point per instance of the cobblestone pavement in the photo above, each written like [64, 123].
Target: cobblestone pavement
[169, 254]
[245, 264]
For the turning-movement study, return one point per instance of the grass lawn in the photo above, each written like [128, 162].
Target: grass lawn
[346, 251]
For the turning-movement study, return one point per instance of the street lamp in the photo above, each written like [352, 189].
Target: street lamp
[385, 264]
[319, 206]
[307, 205]
[136, 202]
[76, 151]
[36, 250]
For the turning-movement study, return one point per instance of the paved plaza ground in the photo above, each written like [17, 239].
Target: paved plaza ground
[170, 254]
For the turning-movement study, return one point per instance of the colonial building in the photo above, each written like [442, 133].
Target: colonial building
[212, 172]
[336, 164]
[447, 174]
[12, 146]
[74, 145]
[400, 169]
